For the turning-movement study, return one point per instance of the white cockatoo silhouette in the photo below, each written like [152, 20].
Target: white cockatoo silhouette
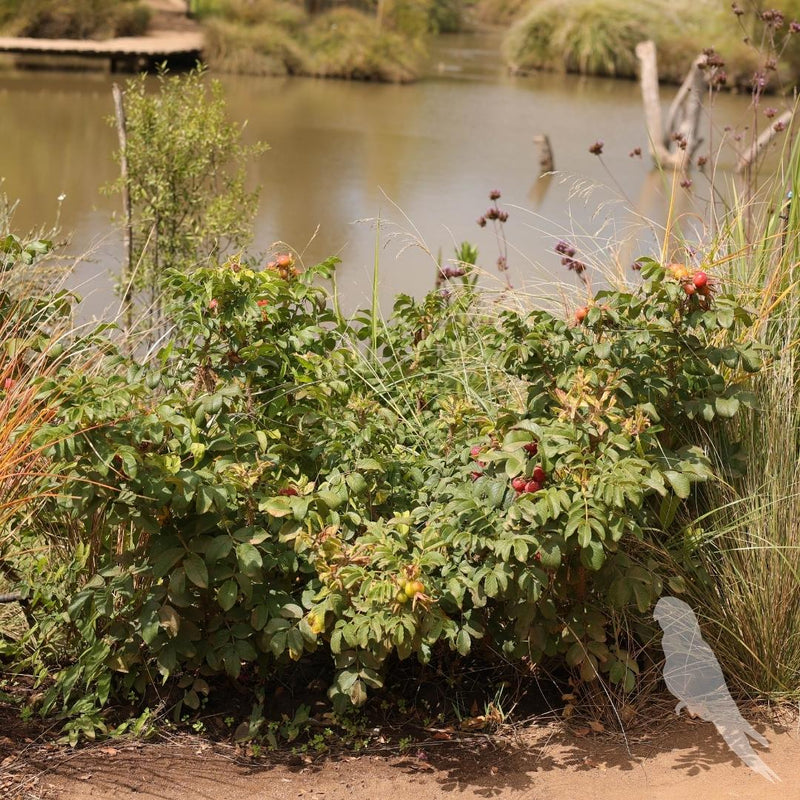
[693, 674]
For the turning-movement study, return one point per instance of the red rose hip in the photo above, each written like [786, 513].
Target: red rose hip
[519, 484]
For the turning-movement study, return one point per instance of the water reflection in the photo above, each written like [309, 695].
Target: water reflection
[423, 156]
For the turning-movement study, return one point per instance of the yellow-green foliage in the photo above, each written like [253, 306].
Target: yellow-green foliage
[266, 37]
[73, 19]
[598, 37]
[262, 49]
[345, 43]
[588, 36]
[498, 12]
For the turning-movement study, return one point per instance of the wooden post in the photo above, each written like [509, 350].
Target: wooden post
[752, 153]
[684, 113]
[127, 267]
[648, 78]
[546, 162]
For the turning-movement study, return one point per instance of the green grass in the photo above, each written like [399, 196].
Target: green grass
[268, 38]
[598, 37]
[73, 19]
[739, 554]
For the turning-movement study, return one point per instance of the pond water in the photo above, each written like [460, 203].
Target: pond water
[422, 157]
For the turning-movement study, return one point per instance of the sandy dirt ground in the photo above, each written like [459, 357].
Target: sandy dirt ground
[684, 759]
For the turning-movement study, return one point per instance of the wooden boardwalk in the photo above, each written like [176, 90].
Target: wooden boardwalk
[128, 53]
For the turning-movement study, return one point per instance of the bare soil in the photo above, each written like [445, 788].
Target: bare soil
[170, 16]
[681, 759]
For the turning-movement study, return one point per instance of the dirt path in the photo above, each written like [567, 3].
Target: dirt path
[170, 16]
[684, 760]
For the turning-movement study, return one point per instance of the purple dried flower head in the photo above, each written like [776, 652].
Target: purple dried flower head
[779, 126]
[794, 26]
[636, 266]
[736, 9]
[502, 264]
[565, 249]
[719, 78]
[772, 17]
[771, 64]
[494, 194]
[482, 222]
[578, 267]
[702, 161]
[445, 293]
[502, 216]
[727, 129]
[759, 80]
[637, 151]
[492, 213]
[686, 183]
[713, 58]
[453, 272]
[680, 139]
[770, 112]
[597, 148]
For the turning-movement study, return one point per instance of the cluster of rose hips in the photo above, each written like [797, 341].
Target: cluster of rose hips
[527, 485]
[409, 590]
[474, 452]
[697, 283]
[283, 264]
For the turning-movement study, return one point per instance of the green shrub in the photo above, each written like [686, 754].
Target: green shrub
[596, 37]
[187, 195]
[260, 50]
[287, 491]
[499, 12]
[277, 38]
[343, 43]
[74, 19]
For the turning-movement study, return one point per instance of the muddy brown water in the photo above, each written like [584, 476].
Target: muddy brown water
[421, 157]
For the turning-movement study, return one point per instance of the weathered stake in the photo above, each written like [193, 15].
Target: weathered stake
[127, 270]
[684, 113]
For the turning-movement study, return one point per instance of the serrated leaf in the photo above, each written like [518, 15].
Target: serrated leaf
[170, 620]
[196, 571]
[726, 406]
[218, 548]
[356, 483]
[227, 595]
[249, 559]
[679, 482]
[358, 693]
